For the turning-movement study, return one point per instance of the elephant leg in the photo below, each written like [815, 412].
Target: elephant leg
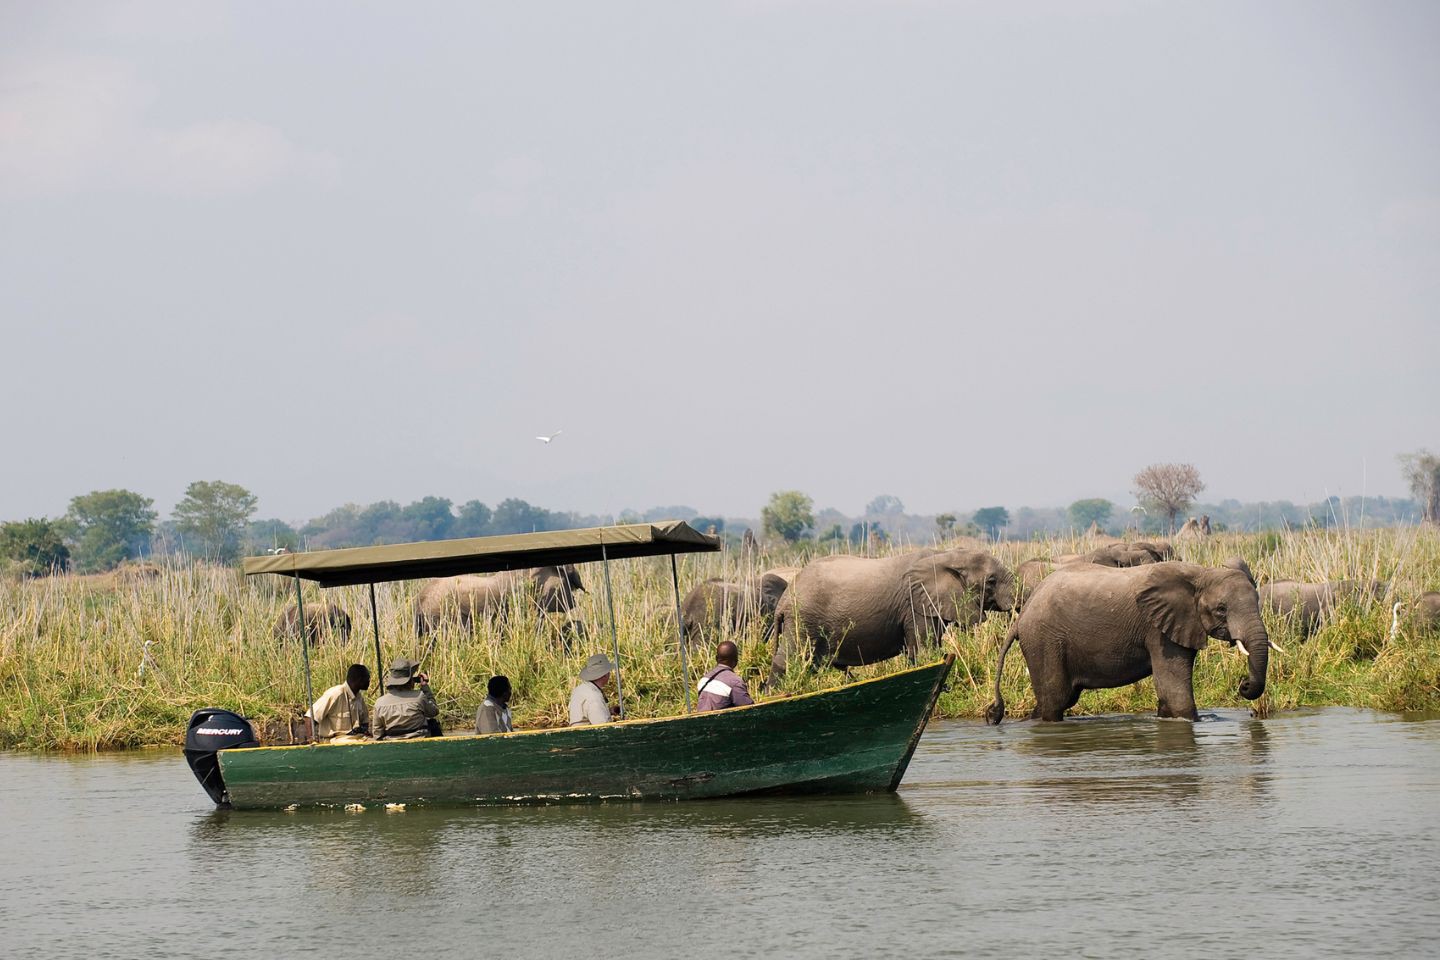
[1054, 691]
[1174, 669]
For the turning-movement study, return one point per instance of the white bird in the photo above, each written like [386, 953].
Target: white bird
[145, 659]
[1395, 619]
[551, 437]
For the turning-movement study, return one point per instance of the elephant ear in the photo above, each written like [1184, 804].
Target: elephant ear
[772, 588]
[1168, 603]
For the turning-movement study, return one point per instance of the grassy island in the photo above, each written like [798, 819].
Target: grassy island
[121, 660]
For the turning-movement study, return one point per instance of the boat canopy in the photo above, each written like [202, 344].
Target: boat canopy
[519, 551]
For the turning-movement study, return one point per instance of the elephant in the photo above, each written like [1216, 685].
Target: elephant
[1194, 529]
[715, 606]
[848, 611]
[1132, 554]
[1090, 627]
[1028, 576]
[1427, 611]
[1312, 603]
[320, 619]
[549, 589]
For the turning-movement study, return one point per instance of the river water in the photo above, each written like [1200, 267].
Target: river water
[1311, 834]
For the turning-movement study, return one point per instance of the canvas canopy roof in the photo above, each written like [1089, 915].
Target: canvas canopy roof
[520, 551]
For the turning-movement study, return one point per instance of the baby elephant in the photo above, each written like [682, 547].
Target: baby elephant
[320, 619]
[1089, 627]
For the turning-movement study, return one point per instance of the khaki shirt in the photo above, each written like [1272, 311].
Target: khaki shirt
[402, 714]
[587, 705]
[338, 711]
[493, 718]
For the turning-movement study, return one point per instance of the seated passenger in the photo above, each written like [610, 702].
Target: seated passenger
[340, 711]
[587, 700]
[494, 713]
[722, 687]
[405, 712]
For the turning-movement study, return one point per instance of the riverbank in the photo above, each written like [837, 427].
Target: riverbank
[117, 662]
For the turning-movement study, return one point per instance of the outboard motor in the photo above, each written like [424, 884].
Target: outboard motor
[212, 730]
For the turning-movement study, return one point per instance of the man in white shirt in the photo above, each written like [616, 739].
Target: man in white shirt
[340, 711]
[587, 700]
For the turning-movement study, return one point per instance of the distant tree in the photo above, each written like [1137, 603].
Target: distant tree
[381, 522]
[516, 516]
[214, 513]
[884, 505]
[833, 533]
[34, 547]
[108, 526]
[1085, 512]
[1168, 488]
[789, 515]
[703, 524]
[264, 535]
[1422, 472]
[429, 519]
[991, 519]
[946, 523]
[473, 520]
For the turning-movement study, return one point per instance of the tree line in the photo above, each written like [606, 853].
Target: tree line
[215, 520]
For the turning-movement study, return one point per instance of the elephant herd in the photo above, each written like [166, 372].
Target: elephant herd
[1107, 618]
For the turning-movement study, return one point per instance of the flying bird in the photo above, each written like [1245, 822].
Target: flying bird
[551, 437]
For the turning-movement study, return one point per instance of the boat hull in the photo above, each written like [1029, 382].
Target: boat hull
[853, 739]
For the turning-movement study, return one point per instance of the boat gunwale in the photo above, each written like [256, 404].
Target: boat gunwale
[730, 711]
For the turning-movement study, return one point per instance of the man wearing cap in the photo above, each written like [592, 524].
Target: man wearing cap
[587, 700]
[722, 687]
[405, 712]
[494, 713]
[340, 711]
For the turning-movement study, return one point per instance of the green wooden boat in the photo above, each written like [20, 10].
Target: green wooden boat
[853, 739]
[857, 738]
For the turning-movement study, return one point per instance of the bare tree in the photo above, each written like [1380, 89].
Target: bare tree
[1422, 472]
[1168, 488]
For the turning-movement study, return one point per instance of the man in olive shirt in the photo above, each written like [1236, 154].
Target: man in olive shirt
[405, 712]
[340, 711]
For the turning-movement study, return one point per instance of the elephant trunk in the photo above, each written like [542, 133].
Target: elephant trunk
[1256, 644]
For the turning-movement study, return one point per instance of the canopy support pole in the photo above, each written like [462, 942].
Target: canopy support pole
[375, 618]
[305, 646]
[680, 628]
[614, 636]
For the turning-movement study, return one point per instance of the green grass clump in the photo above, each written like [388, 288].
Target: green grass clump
[71, 647]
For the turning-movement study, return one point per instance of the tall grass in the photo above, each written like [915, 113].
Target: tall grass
[72, 648]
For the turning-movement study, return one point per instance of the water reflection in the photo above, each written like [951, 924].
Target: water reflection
[1109, 759]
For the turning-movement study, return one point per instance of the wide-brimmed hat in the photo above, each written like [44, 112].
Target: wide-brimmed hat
[402, 671]
[596, 667]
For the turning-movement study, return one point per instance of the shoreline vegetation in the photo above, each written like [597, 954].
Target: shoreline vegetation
[120, 660]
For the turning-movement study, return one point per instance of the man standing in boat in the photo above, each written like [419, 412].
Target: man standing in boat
[340, 711]
[405, 712]
[587, 700]
[722, 687]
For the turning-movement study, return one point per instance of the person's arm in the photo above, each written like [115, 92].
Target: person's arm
[377, 726]
[486, 721]
[739, 693]
[428, 706]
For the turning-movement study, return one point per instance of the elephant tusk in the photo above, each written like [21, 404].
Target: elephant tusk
[1276, 647]
[1241, 645]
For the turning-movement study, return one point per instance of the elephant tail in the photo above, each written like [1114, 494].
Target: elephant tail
[995, 712]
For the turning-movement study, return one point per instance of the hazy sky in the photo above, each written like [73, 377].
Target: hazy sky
[962, 253]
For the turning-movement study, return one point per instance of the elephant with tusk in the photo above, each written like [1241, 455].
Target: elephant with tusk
[1089, 627]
